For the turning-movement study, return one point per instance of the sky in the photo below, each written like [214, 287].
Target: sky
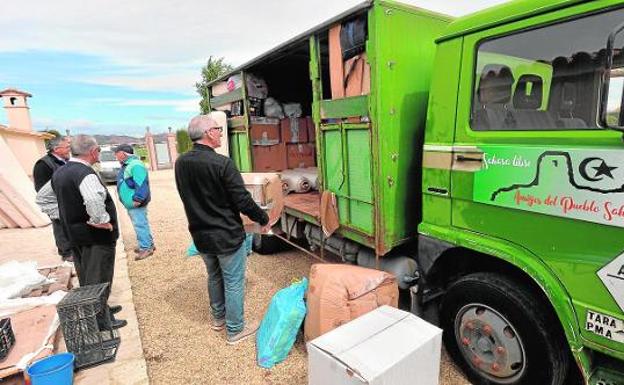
[115, 67]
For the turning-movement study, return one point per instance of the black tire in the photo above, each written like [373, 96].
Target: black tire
[530, 350]
[266, 244]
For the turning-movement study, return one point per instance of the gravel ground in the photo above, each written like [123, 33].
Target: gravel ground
[172, 306]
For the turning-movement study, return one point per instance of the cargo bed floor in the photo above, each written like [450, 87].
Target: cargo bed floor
[308, 203]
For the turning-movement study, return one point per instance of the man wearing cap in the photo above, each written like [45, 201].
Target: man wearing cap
[134, 194]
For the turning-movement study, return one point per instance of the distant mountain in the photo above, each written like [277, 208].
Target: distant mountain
[118, 139]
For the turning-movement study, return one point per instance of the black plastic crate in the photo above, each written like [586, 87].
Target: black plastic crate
[7, 338]
[86, 323]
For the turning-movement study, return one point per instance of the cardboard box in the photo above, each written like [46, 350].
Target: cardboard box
[265, 131]
[385, 346]
[336, 69]
[294, 130]
[311, 129]
[266, 191]
[301, 155]
[269, 158]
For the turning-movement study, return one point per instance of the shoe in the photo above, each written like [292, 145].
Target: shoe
[115, 309]
[138, 249]
[118, 323]
[248, 331]
[218, 324]
[144, 254]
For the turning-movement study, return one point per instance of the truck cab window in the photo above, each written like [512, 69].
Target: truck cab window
[614, 93]
[541, 79]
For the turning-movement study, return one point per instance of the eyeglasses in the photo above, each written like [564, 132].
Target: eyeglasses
[218, 128]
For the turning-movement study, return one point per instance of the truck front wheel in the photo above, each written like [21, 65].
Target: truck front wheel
[501, 333]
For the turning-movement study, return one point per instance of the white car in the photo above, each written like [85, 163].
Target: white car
[109, 165]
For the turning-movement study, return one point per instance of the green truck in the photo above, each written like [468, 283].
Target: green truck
[484, 167]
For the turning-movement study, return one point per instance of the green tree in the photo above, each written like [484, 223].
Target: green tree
[183, 141]
[211, 71]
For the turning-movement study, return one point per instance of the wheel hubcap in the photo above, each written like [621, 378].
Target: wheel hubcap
[490, 343]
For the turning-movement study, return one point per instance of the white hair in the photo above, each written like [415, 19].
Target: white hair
[56, 141]
[198, 125]
[82, 144]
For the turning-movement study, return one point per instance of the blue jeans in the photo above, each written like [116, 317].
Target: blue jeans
[138, 215]
[226, 287]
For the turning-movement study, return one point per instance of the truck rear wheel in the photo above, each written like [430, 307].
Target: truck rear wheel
[266, 244]
[501, 333]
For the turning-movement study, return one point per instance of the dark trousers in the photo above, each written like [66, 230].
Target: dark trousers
[95, 264]
[62, 243]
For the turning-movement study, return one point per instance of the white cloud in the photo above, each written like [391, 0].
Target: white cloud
[174, 81]
[180, 105]
[44, 123]
[169, 33]
[184, 105]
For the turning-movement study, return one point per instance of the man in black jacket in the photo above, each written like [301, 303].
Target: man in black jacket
[89, 217]
[214, 195]
[57, 156]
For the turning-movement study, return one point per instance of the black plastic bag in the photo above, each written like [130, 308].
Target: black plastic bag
[353, 37]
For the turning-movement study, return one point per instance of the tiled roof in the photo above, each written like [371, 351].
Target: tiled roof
[14, 91]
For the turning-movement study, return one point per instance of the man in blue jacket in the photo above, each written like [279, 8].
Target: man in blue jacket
[134, 194]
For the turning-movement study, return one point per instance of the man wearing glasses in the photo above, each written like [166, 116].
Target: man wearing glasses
[89, 217]
[214, 195]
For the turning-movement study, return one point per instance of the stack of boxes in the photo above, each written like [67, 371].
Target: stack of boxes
[282, 144]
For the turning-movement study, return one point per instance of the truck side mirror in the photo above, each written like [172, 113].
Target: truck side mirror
[612, 97]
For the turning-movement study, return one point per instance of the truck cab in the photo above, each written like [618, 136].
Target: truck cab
[521, 246]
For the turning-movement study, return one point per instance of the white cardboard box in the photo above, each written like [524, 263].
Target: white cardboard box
[386, 346]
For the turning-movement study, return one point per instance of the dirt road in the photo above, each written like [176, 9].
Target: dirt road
[172, 306]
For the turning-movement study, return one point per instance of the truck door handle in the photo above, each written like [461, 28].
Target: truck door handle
[462, 158]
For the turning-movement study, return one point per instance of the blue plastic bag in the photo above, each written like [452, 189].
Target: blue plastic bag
[192, 251]
[279, 327]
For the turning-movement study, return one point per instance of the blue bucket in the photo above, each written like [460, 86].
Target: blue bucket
[57, 369]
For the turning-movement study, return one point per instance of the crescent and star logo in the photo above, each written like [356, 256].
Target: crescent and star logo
[600, 167]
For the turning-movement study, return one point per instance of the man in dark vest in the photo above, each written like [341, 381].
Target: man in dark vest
[57, 156]
[88, 214]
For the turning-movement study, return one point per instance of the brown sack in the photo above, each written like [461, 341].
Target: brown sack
[340, 293]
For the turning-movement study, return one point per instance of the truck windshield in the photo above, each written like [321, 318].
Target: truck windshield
[546, 78]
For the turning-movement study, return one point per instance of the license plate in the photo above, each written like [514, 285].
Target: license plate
[605, 326]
